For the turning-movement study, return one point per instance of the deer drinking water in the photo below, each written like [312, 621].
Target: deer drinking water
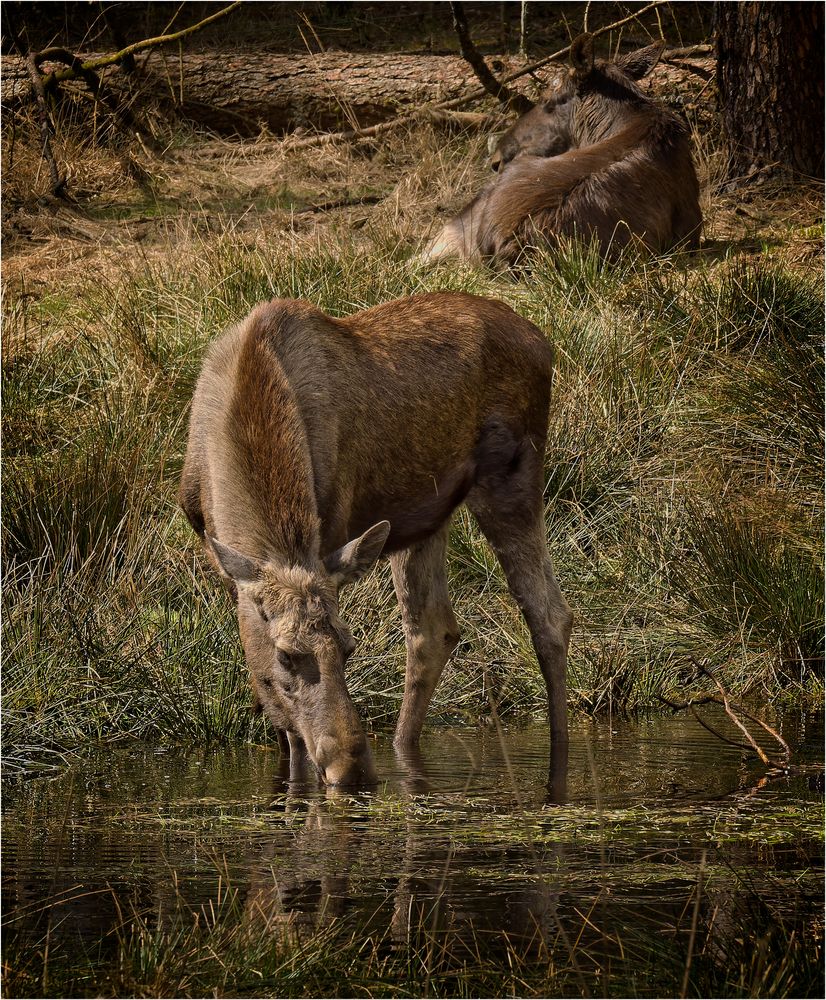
[318, 444]
[597, 159]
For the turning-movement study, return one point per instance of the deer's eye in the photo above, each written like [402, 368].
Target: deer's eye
[291, 659]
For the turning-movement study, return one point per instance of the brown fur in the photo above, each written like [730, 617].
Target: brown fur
[598, 160]
[307, 432]
[289, 479]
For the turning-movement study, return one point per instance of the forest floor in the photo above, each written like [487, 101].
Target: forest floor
[121, 207]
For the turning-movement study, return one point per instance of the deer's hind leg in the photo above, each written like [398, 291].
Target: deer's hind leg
[430, 628]
[507, 503]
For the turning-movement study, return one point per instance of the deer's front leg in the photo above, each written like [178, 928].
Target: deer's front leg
[430, 628]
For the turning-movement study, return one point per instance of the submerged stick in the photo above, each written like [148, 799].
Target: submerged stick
[715, 732]
[727, 707]
[731, 709]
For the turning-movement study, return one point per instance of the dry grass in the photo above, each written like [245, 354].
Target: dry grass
[109, 303]
[131, 204]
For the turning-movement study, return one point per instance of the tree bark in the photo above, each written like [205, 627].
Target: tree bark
[770, 80]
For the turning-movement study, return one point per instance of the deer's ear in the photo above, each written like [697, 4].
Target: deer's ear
[239, 567]
[582, 55]
[353, 560]
[640, 62]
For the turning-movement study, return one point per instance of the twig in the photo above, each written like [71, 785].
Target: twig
[326, 138]
[46, 127]
[772, 732]
[457, 119]
[512, 99]
[146, 43]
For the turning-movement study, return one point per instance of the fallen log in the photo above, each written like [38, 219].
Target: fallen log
[234, 93]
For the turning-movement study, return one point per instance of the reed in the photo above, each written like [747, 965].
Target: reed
[225, 948]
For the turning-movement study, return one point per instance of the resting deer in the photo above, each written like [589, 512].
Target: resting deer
[597, 159]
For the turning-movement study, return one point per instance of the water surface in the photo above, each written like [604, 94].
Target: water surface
[657, 832]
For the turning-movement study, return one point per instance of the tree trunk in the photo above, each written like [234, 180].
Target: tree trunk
[770, 79]
[235, 93]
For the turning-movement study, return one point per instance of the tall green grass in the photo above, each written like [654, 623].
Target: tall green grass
[683, 495]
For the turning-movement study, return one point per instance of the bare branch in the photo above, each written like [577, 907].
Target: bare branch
[76, 68]
[733, 717]
[564, 52]
[772, 732]
[731, 709]
[70, 73]
[456, 102]
[512, 99]
[46, 127]
[730, 713]
[121, 113]
[718, 734]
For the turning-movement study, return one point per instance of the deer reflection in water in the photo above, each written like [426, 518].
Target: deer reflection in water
[433, 892]
[427, 884]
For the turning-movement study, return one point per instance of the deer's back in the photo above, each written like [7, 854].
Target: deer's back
[418, 381]
[638, 184]
[376, 414]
